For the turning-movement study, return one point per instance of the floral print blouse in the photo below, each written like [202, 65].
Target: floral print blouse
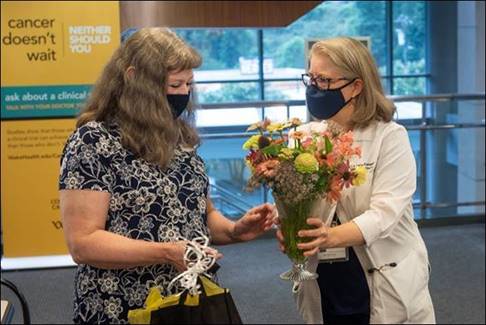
[147, 203]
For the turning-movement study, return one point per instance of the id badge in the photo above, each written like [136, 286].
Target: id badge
[331, 255]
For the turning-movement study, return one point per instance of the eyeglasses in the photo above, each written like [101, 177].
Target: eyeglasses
[321, 82]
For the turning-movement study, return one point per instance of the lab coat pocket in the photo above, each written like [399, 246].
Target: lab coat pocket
[401, 285]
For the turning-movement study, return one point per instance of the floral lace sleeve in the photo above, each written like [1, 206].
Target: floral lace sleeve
[85, 162]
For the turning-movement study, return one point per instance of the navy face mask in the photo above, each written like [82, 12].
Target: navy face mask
[324, 104]
[178, 103]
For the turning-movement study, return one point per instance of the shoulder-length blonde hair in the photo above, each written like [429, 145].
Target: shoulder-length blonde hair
[354, 60]
[138, 103]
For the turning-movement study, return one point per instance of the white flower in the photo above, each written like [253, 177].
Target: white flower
[104, 147]
[168, 234]
[86, 282]
[73, 180]
[170, 188]
[109, 283]
[119, 226]
[142, 200]
[197, 164]
[94, 302]
[318, 127]
[113, 307]
[145, 224]
[177, 212]
[136, 295]
[143, 171]
[201, 204]
[116, 202]
[88, 155]
[72, 162]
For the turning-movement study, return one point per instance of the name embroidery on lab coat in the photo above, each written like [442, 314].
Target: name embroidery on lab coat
[368, 165]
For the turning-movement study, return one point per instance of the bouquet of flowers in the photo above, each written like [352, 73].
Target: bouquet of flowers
[301, 167]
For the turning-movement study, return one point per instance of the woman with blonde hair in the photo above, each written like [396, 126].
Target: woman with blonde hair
[370, 257]
[133, 190]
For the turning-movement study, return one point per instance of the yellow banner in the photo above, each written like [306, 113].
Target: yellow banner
[52, 53]
[30, 197]
[57, 42]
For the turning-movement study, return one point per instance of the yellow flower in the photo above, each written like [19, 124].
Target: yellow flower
[306, 163]
[360, 173]
[286, 153]
[286, 125]
[252, 142]
[260, 125]
[272, 127]
[254, 126]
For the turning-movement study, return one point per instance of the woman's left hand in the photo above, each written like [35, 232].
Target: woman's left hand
[255, 222]
[319, 237]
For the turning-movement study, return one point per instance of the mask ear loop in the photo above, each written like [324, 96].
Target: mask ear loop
[345, 85]
[352, 97]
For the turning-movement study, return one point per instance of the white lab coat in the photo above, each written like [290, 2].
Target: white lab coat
[382, 209]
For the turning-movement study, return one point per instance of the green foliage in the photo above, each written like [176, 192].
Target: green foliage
[221, 48]
[409, 20]
[409, 67]
[322, 183]
[238, 92]
[231, 92]
[409, 86]
[274, 94]
[273, 149]
[286, 56]
[328, 144]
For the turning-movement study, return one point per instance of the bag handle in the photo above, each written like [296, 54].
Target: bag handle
[183, 297]
[185, 292]
[198, 262]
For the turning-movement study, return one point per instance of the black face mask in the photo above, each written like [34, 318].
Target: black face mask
[324, 104]
[178, 103]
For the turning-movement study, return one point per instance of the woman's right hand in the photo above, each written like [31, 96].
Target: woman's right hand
[175, 254]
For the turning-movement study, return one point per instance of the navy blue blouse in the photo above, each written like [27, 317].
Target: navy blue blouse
[146, 203]
[343, 286]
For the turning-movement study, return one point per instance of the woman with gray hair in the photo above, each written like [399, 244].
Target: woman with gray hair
[370, 257]
[133, 190]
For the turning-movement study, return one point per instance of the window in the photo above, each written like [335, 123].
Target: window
[245, 65]
[409, 44]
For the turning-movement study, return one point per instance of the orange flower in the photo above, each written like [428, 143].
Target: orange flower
[298, 135]
[267, 168]
[321, 158]
[306, 143]
[331, 158]
[335, 188]
[278, 141]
